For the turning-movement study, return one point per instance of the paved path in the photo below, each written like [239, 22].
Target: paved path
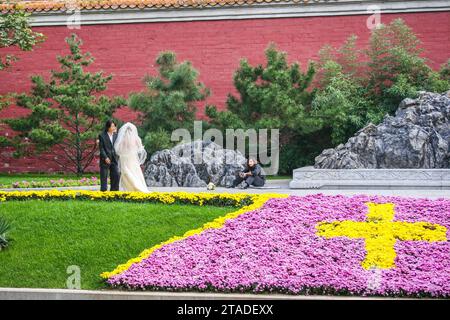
[282, 186]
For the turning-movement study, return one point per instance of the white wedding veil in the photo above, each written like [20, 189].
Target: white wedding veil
[128, 143]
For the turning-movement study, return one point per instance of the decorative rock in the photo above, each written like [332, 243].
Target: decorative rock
[176, 167]
[418, 136]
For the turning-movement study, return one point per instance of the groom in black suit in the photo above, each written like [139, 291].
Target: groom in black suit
[108, 158]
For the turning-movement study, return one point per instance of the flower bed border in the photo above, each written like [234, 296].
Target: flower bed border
[202, 198]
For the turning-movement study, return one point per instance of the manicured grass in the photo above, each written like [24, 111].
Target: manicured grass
[50, 236]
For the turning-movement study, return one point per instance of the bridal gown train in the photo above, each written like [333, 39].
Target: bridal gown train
[131, 177]
[132, 155]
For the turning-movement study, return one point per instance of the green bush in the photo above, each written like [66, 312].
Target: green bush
[342, 106]
[302, 150]
[444, 73]
[360, 86]
[378, 77]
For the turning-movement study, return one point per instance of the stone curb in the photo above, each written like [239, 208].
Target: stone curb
[69, 294]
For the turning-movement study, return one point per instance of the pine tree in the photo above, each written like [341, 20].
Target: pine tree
[270, 96]
[67, 112]
[276, 95]
[169, 102]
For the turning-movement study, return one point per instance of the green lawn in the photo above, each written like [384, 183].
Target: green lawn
[96, 236]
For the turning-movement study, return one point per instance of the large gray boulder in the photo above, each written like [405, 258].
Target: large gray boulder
[177, 166]
[418, 136]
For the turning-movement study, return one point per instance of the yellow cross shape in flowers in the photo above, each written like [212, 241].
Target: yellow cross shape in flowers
[380, 233]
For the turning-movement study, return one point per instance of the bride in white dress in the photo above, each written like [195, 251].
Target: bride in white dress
[131, 154]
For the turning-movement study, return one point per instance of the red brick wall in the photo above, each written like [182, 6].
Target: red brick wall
[128, 51]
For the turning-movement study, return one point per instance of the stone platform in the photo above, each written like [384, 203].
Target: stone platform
[363, 179]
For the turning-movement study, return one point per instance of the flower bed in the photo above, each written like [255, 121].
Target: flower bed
[360, 245]
[202, 198]
[53, 183]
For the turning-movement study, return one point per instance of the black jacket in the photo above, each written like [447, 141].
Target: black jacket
[106, 148]
[256, 171]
